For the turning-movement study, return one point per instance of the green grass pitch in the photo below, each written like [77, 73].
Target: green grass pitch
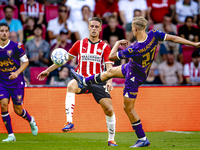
[98, 141]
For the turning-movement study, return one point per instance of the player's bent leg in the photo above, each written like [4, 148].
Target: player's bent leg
[7, 120]
[72, 88]
[114, 72]
[106, 105]
[129, 104]
[24, 114]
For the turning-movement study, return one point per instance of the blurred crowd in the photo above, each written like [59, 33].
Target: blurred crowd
[40, 26]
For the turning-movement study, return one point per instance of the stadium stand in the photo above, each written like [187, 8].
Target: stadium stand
[187, 53]
[34, 71]
[51, 12]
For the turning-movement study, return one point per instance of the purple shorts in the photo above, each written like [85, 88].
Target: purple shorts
[131, 82]
[17, 94]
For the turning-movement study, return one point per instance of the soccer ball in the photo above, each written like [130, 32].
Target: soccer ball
[59, 56]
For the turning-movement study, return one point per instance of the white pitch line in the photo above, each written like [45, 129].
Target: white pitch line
[180, 132]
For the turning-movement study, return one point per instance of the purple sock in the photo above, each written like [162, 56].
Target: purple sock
[7, 121]
[94, 79]
[25, 115]
[137, 126]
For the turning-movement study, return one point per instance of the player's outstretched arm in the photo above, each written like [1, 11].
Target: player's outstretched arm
[46, 72]
[180, 40]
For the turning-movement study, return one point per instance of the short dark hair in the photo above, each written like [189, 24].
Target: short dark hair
[61, 5]
[85, 6]
[196, 54]
[189, 17]
[96, 19]
[167, 15]
[4, 24]
[7, 6]
[112, 17]
[137, 10]
[37, 26]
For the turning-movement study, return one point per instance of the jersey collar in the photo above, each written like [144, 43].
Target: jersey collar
[95, 42]
[5, 45]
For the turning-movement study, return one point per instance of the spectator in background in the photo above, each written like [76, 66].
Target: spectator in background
[171, 71]
[83, 31]
[28, 29]
[166, 26]
[14, 24]
[63, 77]
[158, 8]
[153, 77]
[32, 9]
[62, 43]
[13, 37]
[167, 46]
[106, 8]
[60, 22]
[189, 32]
[129, 32]
[192, 70]
[37, 49]
[112, 40]
[75, 6]
[126, 11]
[186, 8]
[112, 29]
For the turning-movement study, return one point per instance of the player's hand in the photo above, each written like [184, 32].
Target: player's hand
[197, 44]
[109, 85]
[43, 75]
[13, 75]
[123, 42]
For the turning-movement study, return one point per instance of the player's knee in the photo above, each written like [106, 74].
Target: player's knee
[4, 106]
[128, 108]
[72, 86]
[109, 111]
[18, 110]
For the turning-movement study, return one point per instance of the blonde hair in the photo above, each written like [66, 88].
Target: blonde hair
[139, 22]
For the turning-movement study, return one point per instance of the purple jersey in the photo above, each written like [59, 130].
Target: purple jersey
[10, 62]
[142, 54]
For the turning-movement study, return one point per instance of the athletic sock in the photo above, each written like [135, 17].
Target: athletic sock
[111, 121]
[7, 121]
[137, 126]
[69, 105]
[25, 115]
[94, 79]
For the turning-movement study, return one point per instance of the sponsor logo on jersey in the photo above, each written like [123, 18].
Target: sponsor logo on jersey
[9, 53]
[91, 57]
[99, 50]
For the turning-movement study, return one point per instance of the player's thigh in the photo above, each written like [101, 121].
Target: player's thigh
[115, 72]
[99, 91]
[17, 95]
[129, 102]
[73, 87]
[4, 97]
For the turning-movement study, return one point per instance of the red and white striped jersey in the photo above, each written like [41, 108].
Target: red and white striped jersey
[91, 56]
[191, 71]
[32, 11]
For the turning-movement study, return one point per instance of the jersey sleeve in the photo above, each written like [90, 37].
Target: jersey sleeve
[106, 54]
[22, 9]
[41, 9]
[186, 71]
[20, 51]
[160, 35]
[75, 49]
[127, 53]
